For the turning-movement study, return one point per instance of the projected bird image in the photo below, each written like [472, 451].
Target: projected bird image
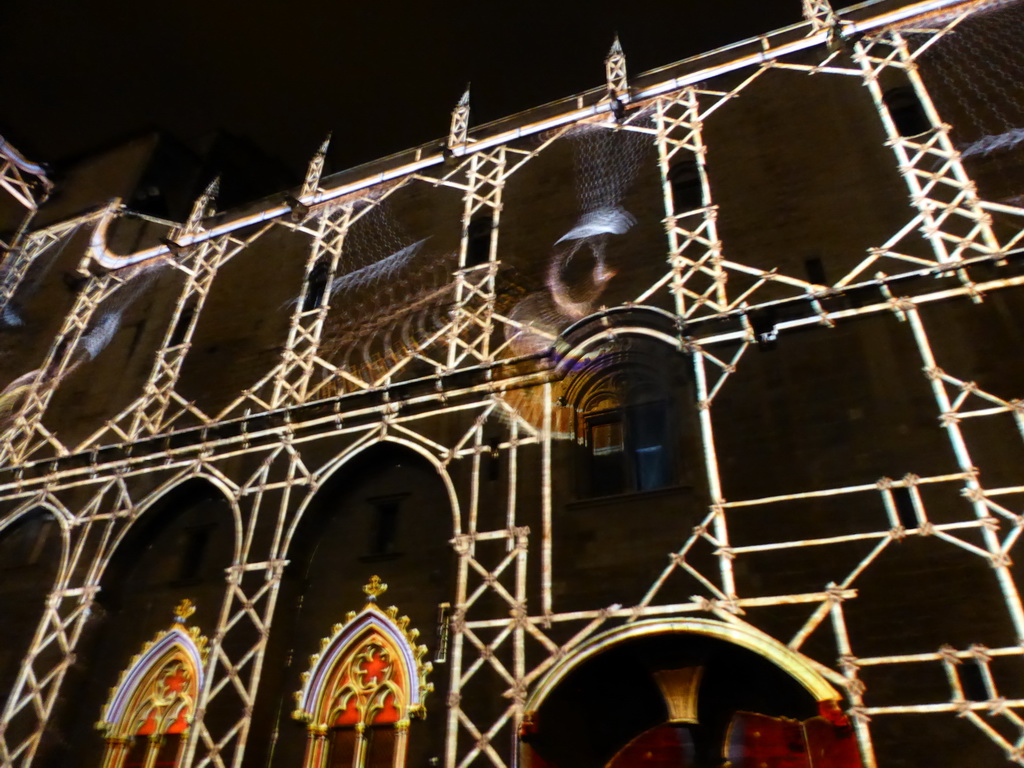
[578, 268]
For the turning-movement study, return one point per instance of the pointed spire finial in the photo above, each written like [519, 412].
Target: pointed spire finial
[204, 206]
[375, 588]
[458, 134]
[316, 169]
[615, 73]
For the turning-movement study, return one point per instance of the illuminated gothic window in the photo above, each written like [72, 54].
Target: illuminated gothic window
[362, 690]
[147, 717]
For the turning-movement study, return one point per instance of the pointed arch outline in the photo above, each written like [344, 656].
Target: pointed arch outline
[46, 504]
[369, 677]
[337, 463]
[156, 694]
[168, 646]
[156, 499]
[370, 625]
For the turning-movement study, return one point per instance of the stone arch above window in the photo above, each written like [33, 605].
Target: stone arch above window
[362, 689]
[625, 422]
[149, 712]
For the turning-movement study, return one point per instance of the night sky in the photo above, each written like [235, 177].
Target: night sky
[80, 74]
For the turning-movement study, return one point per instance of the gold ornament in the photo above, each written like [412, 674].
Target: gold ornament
[375, 588]
[185, 609]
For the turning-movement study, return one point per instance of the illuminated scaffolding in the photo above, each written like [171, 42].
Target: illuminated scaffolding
[27, 185]
[273, 419]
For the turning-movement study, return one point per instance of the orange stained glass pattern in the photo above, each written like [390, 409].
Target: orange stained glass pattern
[362, 689]
[149, 712]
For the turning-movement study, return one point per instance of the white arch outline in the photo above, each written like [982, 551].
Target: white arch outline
[65, 521]
[154, 499]
[334, 465]
[369, 619]
[140, 667]
[788, 660]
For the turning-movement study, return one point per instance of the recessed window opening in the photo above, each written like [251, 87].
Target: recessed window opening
[316, 285]
[626, 424]
[384, 526]
[903, 500]
[815, 271]
[166, 754]
[343, 748]
[687, 188]
[380, 746]
[906, 110]
[137, 753]
[193, 552]
[181, 327]
[629, 449]
[972, 680]
[478, 240]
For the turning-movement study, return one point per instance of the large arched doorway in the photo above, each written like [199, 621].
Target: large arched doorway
[685, 694]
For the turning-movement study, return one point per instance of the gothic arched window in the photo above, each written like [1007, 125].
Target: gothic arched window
[147, 717]
[362, 689]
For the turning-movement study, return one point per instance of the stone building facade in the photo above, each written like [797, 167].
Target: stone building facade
[678, 419]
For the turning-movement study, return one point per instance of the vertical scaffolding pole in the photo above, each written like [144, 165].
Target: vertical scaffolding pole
[292, 381]
[952, 219]
[973, 490]
[721, 528]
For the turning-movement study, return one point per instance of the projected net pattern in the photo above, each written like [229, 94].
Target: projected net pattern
[494, 563]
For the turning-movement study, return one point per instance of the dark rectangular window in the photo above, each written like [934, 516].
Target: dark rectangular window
[316, 286]
[687, 187]
[136, 757]
[478, 240]
[380, 746]
[815, 271]
[906, 110]
[905, 512]
[181, 327]
[647, 444]
[343, 748]
[384, 526]
[193, 552]
[973, 681]
[629, 450]
[167, 754]
[607, 454]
